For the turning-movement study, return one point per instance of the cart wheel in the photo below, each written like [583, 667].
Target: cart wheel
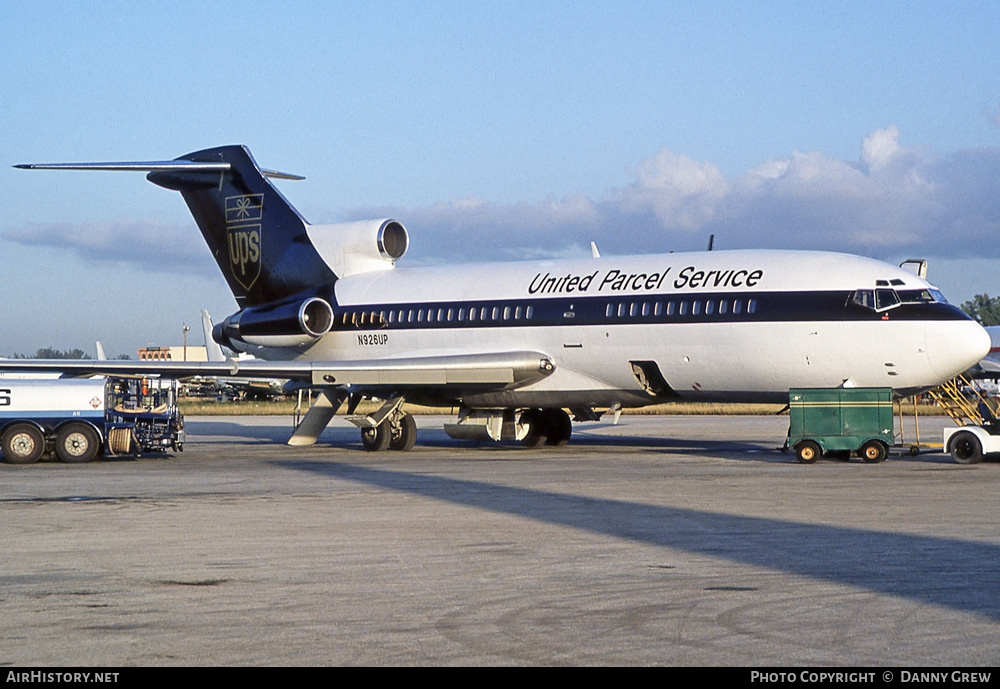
[914, 450]
[807, 452]
[873, 452]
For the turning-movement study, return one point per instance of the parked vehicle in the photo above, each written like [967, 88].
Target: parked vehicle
[838, 421]
[970, 444]
[78, 420]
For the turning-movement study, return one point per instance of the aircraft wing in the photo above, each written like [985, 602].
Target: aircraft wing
[989, 365]
[501, 370]
[986, 368]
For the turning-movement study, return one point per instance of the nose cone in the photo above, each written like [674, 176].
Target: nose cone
[956, 348]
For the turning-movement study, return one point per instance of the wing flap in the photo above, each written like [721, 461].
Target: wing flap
[417, 377]
[507, 369]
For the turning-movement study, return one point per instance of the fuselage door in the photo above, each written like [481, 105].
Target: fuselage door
[651, 379]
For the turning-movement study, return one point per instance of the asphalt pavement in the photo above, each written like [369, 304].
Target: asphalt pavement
[659, 541]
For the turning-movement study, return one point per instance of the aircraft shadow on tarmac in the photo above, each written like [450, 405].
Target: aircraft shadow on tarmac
[232, 433]
[734, 450]
[953, 573]
[346, 439]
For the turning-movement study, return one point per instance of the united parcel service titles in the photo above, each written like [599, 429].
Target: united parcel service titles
[689, 277]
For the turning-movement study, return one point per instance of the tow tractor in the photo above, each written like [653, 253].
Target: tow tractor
[977, 431]
[969, 444]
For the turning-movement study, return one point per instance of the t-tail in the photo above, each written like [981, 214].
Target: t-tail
[258, 239]
[280, 268]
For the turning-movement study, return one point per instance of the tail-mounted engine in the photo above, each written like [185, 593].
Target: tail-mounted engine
[359, 247]
[285, 324]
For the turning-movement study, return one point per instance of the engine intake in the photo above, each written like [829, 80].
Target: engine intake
[358, 247]
[284, 324]
[393, 240]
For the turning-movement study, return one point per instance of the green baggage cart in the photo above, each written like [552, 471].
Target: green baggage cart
[839, 421]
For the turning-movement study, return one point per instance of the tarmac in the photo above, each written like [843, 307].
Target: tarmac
[660, 541]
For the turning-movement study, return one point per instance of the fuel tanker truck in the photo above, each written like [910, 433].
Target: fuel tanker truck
[77, 420]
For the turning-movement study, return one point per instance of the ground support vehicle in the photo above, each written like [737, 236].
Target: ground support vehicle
[77, 420]
[969, 444]
[839, 421]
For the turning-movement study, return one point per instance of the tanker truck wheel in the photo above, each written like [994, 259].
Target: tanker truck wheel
[22, 444]
[77, 443]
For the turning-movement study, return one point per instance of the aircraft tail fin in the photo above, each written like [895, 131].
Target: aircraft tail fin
[213, 348]
[258, 239]
[274, 261]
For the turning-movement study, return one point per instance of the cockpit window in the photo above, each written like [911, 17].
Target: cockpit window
[885, 299]
[865, 298]
[922, 296]
[879, 299]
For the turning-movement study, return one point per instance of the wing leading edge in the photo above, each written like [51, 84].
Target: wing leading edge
[504, 370]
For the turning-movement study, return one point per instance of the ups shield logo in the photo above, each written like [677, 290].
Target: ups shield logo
[244, 237]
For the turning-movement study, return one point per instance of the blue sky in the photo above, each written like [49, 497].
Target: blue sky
[493, 131]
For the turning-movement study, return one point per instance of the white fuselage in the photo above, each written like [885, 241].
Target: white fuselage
[739, 325]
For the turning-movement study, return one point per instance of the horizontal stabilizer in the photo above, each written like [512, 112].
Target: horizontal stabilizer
[152, 166]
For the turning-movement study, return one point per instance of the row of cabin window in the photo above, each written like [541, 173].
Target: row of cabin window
[695, 308]
[441, 315]
[506, 313]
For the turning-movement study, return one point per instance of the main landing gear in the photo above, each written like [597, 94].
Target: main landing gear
[397, 432]
[391, 428]
[530, 427]
[546, 427]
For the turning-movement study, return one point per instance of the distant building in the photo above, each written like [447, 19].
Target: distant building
[173, 354]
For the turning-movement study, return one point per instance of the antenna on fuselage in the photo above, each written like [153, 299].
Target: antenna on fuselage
[711, 241]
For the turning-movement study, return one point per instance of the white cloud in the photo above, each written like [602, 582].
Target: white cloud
[880, 147]
[146, 244]
[679, 191]
[893, 200]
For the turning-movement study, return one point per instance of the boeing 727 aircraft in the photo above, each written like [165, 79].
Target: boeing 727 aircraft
[515, 345]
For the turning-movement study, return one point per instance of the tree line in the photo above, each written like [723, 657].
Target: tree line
[53, 353]
[984, 308]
